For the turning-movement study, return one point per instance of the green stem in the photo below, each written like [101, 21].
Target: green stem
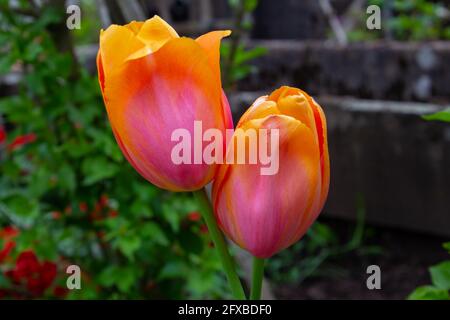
[257, 278]
[219, 243]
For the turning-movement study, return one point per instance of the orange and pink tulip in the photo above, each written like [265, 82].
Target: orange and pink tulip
[154, 82]
[267, 213]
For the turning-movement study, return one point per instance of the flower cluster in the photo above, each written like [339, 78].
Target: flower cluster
[159, 83]
[30, 278]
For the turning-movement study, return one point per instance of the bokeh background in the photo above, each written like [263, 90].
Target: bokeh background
[67, 196]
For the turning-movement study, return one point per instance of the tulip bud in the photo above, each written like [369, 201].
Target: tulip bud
[154, 82]
[267, 213]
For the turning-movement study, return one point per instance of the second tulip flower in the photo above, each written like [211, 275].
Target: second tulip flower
[267, 213]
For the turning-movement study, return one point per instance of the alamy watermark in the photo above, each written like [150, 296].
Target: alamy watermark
[73, 281]
[258, 141]
[373, 21]
[374, 280]
[73, 21]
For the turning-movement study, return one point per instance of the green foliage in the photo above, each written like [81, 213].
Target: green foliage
[71, 193]
[429, 293]
[241, 66]
[235, 56]
[412, 20]
[419, 20]
[440, 282]
[443, 115]
[440, 275]
[90, 24]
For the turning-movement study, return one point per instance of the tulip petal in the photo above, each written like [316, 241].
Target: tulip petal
[261, 108]
[283, 92]
[101, 72]
[264, 213]
[150, 97]
[113, 52]
[210, 42]
[324, 156]
[154, 33]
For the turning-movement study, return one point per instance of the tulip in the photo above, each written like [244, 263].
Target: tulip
[267, 213]
[22, 140]
[154, 82]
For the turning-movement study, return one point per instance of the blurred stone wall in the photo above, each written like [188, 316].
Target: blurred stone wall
[376, 70]
[289, 19]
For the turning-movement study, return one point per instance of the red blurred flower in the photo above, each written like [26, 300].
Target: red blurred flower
[113, 213]
[103, 200]
[47, 273]
[83, 207]
[36, 276]
[3, 293]
[2, 135]
[68, 210]
[101, 234]
[203, 229]
[194, 216]
[26, 264]
[56, 215]
[6, 250]
[21, 140]
[60, 292]
[7, 234]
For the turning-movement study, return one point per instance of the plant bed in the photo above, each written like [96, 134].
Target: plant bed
[404, 260]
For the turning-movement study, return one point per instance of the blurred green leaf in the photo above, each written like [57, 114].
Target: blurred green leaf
[21, 209]
[429, 293]
[244, 56]
[440, 275]
[96, 169]
[153, 231]
[250, 5]
[173, 269]
[67, 178]
[129, 244]
[190, 242]
[446, 246]
[122, 277]
[443, 115]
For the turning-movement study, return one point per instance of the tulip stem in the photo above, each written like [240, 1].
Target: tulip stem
[257, 278]
[219, 243]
